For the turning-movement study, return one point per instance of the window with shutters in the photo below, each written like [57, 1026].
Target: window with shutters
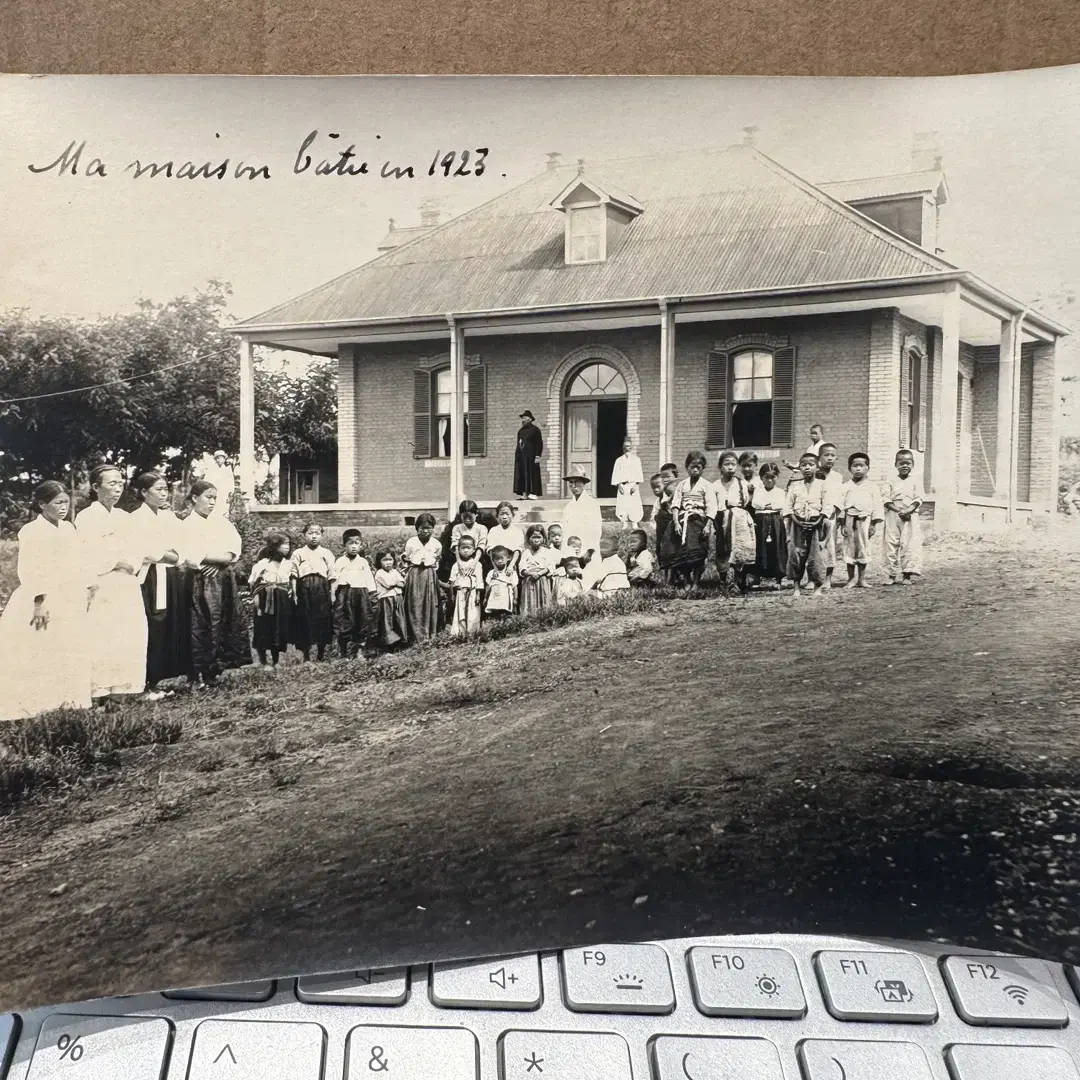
[911, 379]
[750, 398]
[432, 420]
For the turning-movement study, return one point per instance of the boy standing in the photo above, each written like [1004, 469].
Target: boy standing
[804, 516]
[860, 515]
[903, 495]
[834, 496]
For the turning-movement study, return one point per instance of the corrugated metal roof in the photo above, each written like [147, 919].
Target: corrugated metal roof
[714, 222]
[885, 187]
[398, 236]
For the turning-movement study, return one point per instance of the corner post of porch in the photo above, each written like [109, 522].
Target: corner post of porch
[247, 419]
[943, 465]
[1045, 424]
[667, 377]
[457, 413]
[1007, 387]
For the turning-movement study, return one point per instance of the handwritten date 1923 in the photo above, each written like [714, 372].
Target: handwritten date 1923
[462, 159]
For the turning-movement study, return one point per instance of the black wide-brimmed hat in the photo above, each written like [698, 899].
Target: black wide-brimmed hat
[521, 416]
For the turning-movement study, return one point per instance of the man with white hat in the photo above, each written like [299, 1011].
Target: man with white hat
[581, 516]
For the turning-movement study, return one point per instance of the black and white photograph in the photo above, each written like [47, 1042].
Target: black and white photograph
[448, 517]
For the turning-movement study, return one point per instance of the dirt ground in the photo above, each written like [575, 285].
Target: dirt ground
[895, 762]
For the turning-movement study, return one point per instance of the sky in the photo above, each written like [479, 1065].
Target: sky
[88, 245]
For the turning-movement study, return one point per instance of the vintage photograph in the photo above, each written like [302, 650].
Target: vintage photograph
[447, 516]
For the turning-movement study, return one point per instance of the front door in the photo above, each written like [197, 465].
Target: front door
[580, 437]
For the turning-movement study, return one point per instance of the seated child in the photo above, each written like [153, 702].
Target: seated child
[502, 585]
[570, 586]
[640, 572]
[606, 573]
[467, 583]
[860, 515]
[768, 508]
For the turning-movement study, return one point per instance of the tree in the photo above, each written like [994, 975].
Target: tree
[297, 414]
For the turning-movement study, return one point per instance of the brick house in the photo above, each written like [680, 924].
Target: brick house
[704, 300]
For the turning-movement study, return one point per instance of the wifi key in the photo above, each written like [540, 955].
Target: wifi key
[1004, 991]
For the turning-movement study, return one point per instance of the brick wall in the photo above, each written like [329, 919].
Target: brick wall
[883, 419]
[347, 432]
[984, 393]
[965, 407]
[1044, 438]
[1023, 426]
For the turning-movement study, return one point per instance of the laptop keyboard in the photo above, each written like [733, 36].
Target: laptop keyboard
[758, 1007]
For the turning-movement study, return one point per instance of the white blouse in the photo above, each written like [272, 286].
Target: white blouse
[209, 536]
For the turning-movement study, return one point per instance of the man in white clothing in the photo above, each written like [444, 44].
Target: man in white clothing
[220, 473]
[581, 517]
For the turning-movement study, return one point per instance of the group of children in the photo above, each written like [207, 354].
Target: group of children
[764, 535]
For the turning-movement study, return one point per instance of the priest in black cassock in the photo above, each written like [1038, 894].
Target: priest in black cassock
[530, 445]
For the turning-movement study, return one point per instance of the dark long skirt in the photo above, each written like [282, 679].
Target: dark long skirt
[219, 637]
[168, 643]
[392, 626]
[527, 474]
[771, 546]
[421, 602]
[313, 619]
[691, 554]
[806, 551]
[273, 618]
[353, 614]
[536, 594]
[665, 541]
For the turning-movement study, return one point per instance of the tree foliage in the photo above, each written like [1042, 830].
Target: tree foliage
[165, 389]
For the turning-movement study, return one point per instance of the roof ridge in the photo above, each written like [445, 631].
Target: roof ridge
[842, 209]
[883, 176]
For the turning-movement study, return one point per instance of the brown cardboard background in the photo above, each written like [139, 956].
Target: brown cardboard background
[737, 37]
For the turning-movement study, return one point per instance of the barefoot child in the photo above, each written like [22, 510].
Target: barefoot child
[627, 479]
[314, 610]
[354, 593]
[768, 506]
[502, 585]
[804, 516]
[571, 584]
[666, 539]
[467, 583]
[903, 495]
[389, 589]
[693, 508]
[833, 480]
[860, 515]
[506, 533]
[640, 571]
[537, 582]
[273, 583]
[735, 546]
[422, 554]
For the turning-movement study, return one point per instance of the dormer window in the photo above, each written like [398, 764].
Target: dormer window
[595, 220]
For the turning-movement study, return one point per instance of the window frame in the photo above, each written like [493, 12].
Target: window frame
[580, 212]
[720, 393]
[437, 416]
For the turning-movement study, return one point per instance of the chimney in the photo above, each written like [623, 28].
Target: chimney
[926, 151]
[553, 160]
[748, 135]
[430, 213]
[580, 166]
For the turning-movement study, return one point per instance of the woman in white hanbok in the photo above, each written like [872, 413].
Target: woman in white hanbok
[115, 629]
[157, 531]
[43, 661]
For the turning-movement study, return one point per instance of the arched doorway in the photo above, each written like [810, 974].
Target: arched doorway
[595, 404]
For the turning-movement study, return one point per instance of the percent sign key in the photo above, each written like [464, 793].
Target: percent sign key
[69, 1046]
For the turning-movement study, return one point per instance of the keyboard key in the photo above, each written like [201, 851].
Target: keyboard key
[262, 990]
[511, 983]
[719, 1058]
[1004, 990]
[411, 1053]
[563, 1055]
[876, 986]
[1010, 1063]
[746, 982]
[257, 1050]
[100, 1048]
[618, 978]
[837, 1059]
[372, 986]
[9, 1033]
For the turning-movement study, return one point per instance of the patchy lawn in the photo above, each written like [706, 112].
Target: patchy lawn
[900, 761]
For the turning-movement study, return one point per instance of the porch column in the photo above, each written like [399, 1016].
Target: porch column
[943, 465]
[667, 384]
[1005, 464]
[247, 420]
[457, 414]
[1045, 421]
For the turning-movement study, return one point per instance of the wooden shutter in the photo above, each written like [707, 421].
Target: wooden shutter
[783, 405]
[421, 413]
[918, 404]
[477, 410]
[905, 400]
[716, 417]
